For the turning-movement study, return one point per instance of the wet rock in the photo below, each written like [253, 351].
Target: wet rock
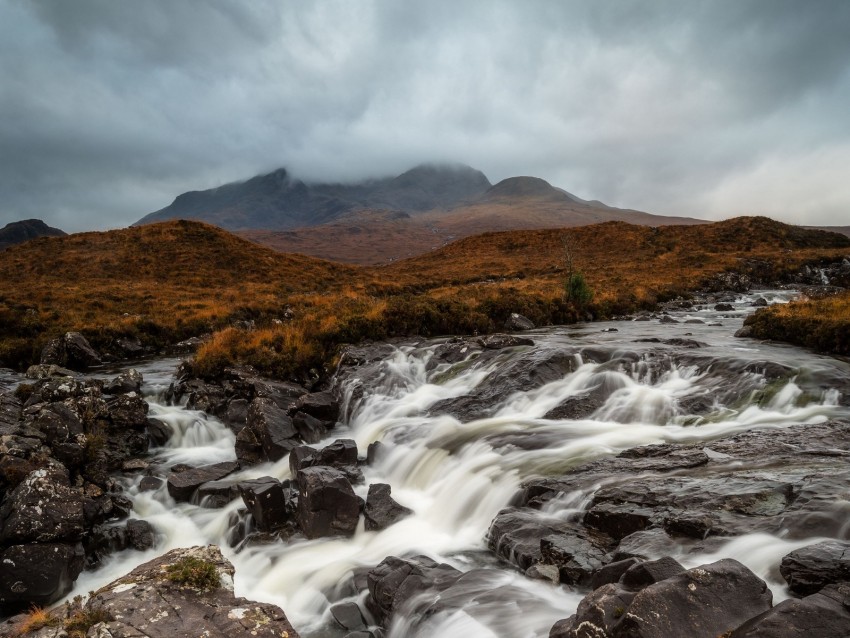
[327, 505]
[236, 415]
[375, 452]
[310, 429]
[724, 307]
[38, 573]
[159, 432]
[574, 553]
[128, 381]
[348, 616]
[341, 454]
[618, 520]
[150, 484]
[453, 351]
[381, 510]
[825, 614]
[517, 534]
[499, 341]
[13, 470]
[182, 485]
[598, 614]
[525, 373]
[217, 494]
[644, 545]
[517, 322]
[809, 569]
[42, 508]
[72, 350]
[650, 572]
[744, 333]
[272, 428]
[759, 302]
[145, 602]
[321, 405]
[575, 408]
[266, 501]
[710, 600]
[396, 580]
[104, 540]
[667, 319]
[611, 572]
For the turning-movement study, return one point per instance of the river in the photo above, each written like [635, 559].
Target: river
[456, 476]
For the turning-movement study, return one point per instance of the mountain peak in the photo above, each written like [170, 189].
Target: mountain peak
[524, 186]
[24, 230]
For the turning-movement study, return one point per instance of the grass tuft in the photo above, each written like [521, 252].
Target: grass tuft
[194, 572]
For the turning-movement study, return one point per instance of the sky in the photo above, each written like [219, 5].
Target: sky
[109, 109]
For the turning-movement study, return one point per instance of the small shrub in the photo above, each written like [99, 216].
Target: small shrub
[24, 391]
[37, 618]
[577, 290]
[79, 622]
[194, 572]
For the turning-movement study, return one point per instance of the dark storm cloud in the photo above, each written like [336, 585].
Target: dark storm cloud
[109, 109]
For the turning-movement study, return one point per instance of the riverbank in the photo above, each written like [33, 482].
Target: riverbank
[819, 324]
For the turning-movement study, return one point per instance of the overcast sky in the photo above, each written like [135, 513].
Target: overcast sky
[111, 108]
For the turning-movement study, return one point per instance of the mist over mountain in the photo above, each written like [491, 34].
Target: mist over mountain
[280, 201]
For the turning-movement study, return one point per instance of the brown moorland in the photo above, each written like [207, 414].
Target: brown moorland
[168, 281]
[820, 324]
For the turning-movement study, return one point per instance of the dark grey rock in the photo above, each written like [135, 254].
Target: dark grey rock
[127, 381]
[809, 569]
[182, 485]
[381, 510]
[266, 501]
[38, 573]
[327, 505]
[825, 614]
[517, 322]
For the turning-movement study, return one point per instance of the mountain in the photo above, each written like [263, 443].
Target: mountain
[280, 201]
[373, 237]
[19, 232]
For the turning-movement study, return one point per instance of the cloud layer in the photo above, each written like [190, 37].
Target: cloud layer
[108, 110]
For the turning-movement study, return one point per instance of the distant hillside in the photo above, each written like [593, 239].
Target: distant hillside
[168, 281]
[279, 201]
[844, 230]
[517, 203]
[18, 232]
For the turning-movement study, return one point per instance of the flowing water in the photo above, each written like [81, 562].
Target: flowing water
[456, 478]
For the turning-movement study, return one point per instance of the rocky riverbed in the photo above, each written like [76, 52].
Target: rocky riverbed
[653, 476]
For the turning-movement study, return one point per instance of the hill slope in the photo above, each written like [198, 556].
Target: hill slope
[376, 237]
[18, 232]
[168, 281]
[279, 201]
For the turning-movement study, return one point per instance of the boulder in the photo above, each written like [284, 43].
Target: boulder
[236, 415]
[395, 580]
[128, 381]
[349, 617]
[724, 307]
[327, 505]
[273, 428]
[667, 319]
[267, 502]
[182, 485]
[809, 569]
[269, 434]
[825, 614]
[150, 484]
[160, 600]
[341, 454]
[711, 600]
[106, 539]
[321, 405]
[310, 429]
[598, 614]
[72, 350]
[381, 510]
[42, 508]
[217, 494]
[574, 553]
[516, 322]
[611, 573]
[650, 572]
[38, 573]
[159, 432]
[46, 371]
